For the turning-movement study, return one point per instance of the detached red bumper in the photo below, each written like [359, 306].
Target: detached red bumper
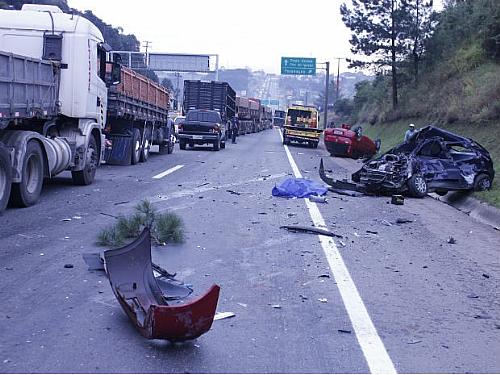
[130, 273]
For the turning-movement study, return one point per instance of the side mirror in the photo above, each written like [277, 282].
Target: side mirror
[116, 74]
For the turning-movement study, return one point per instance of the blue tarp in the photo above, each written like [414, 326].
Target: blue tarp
[299, 188]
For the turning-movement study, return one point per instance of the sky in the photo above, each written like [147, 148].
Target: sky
[254, 34]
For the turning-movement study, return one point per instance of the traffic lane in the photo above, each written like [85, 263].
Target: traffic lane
[430, 301]
[76, 314]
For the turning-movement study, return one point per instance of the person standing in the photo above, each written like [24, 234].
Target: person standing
[409, 133]
[235, 125]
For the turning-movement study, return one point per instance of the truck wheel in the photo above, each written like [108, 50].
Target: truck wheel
[482, 182]
[217, 144]
[136, 146]
[417, 186]
[182, 144]
[86, 176]
[27, 192]
[146, 146]
[5, 178]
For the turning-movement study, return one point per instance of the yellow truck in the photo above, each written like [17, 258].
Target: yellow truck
[302, 125]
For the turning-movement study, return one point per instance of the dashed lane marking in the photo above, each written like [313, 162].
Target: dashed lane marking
[168, 171]
[373, 348]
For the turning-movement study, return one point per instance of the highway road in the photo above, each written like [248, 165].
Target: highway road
[384, 298]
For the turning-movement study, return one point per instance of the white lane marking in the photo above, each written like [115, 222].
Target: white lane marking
[187, 193]
[373, 348]
[168, 171]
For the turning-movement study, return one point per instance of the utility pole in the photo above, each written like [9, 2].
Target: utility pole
[146, 46]
[326, 94]
[338, 79]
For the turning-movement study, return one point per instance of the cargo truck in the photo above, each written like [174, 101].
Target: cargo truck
[54, 81]
[302, 125]
[210, 96]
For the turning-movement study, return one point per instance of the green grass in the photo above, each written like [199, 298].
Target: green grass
[488, 135]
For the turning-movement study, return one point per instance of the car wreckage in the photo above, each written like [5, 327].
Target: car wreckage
[432, 160]
[155, 304]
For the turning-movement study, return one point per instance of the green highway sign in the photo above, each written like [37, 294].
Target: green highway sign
[298, 65]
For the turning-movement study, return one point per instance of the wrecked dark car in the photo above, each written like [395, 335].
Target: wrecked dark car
[432, 160]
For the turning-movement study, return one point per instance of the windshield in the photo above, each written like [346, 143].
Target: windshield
[203, 116]
[179, 120]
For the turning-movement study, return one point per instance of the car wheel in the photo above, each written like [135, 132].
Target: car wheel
[27, 192]
[5, 178]
[136, 146]
[417, 186]
[482, 182]
[87, 175]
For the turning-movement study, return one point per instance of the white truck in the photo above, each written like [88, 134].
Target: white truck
[53, 99]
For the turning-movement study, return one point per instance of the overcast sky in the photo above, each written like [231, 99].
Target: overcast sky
[254, 33]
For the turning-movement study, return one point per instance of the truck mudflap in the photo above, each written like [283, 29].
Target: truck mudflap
[130, 273]
[118, 150]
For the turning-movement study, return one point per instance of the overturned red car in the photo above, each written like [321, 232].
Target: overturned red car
[350, 143]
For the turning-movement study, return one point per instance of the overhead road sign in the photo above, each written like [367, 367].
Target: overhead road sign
[298, 66]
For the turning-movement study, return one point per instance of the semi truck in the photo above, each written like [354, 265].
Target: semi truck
[55, 77]
[207, 96]
[279, 118]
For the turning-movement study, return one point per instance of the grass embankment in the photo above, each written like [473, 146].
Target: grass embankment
[487, 135]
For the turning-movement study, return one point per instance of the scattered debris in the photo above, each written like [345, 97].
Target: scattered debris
[479, 316]
[76, 217]
[276, 306]
[387, 223]
[233, 192]
[403, 221]
[317, 199]
[323, 300]
[398, 200]
[472, 295]
[205, 184]
[485, 275]
[119, 203]
[414, 342]
[451, 241]
[224, 315]
[69, 265]
[325, 275]
[304, 298]
[311, 230]
[242, 304]
[67, 219]
[140, 293]
[342, 244]
[344, 330]
[371, 232]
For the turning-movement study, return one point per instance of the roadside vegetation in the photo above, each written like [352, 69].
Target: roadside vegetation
[165, 228]
[442, 69]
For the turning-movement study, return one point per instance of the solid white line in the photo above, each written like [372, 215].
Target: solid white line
[168, 171]
[373, 348]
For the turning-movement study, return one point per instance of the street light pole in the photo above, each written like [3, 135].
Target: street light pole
[326, 94]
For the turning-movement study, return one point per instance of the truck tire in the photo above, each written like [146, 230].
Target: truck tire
[87, 175]
[136, 146]
[417, 186]
[5, 178]
[182, 144]
[146, 145]
[27, 192]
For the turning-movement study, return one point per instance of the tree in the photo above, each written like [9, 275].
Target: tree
[377, 34]
[167, 83]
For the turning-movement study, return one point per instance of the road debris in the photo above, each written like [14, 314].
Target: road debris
[276, 306]
[242, 304]
[451, 240]
[344, 331]
[397, 200]
[317, 199]
[233, 192]
[323, 300]
[143, 298]
[414, 342]
[224, 315]
[386, 223]
[67, 219]
[324, 276]
[69, 265]
[371, 232]
[486, 276]
[311, 230]
[403, 221]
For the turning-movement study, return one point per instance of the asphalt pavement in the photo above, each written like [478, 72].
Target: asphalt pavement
[385, 297]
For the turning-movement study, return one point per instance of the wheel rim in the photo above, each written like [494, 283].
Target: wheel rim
[33, 176]
[146, 147]
[484, 184]
[420, 184]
